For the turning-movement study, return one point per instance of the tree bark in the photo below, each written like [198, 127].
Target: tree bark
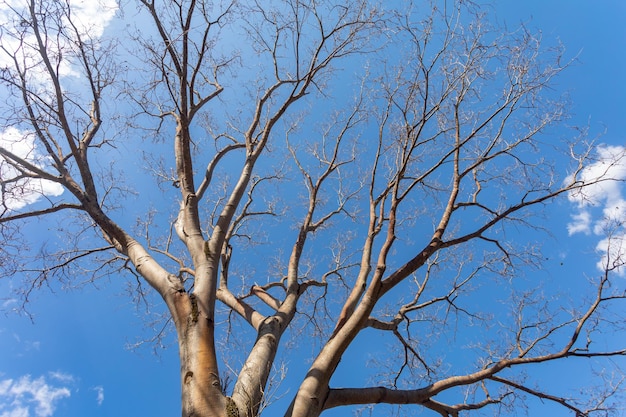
[200, 384]
[201, 388]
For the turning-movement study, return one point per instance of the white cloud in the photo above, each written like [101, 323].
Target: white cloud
[24, 191]
[581, 223]
[16, 412]
[9, 302]
[99, 394]
[19, 397]
[61, 377]
[601, 206]
[4, 386]
[93, 15]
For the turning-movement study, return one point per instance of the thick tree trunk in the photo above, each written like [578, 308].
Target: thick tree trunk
[202, 394]
[201, 388]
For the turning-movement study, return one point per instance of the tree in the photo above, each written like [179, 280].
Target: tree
[396, 192]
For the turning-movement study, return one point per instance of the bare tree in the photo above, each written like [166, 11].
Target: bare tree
[405, 182]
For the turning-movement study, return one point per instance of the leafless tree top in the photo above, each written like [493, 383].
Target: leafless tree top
[313, 169]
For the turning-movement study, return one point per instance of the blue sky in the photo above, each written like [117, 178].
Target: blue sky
[72, 358]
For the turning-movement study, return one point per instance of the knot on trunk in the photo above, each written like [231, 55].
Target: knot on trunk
[231, 408]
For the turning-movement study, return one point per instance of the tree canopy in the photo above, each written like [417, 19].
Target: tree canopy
[287, 181]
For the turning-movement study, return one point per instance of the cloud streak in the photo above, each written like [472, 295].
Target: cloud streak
[601, 206]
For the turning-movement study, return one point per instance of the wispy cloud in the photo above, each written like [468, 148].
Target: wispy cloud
[601, 206]
[18, 398]
[62, 377]
[99, 394]
[9, 302]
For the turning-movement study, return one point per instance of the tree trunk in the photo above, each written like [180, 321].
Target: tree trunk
[201, 388]
[202, 394]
